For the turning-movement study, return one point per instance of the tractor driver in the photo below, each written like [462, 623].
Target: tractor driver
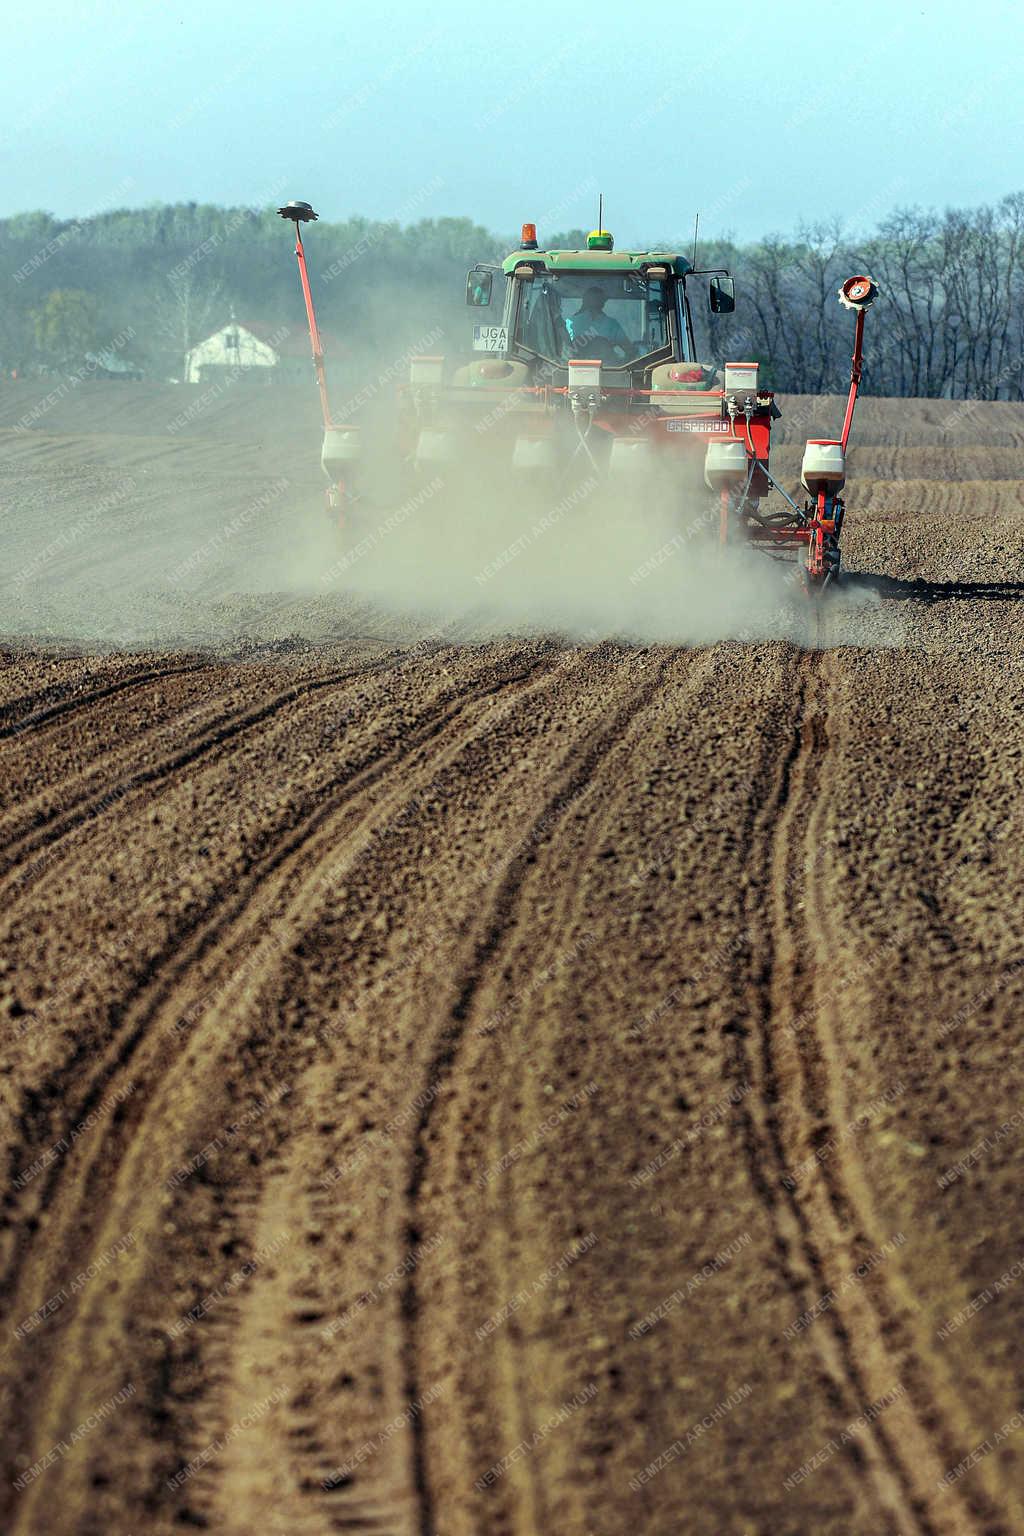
[590, 323]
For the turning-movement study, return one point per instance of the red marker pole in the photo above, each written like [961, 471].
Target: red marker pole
[302, 213]
[856, 293]
[314, 331]
[855, 373]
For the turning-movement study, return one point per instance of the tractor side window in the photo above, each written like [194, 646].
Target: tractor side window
[540, 326]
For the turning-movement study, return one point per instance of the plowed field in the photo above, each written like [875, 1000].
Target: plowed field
[519, 1083]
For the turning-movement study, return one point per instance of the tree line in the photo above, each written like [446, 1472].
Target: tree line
[152, 282]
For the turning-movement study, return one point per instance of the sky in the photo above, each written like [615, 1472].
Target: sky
[762, 117]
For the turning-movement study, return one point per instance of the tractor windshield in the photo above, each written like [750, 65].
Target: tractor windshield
[618, 317]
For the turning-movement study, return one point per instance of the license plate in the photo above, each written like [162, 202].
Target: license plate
[490, 338]
[704, 428]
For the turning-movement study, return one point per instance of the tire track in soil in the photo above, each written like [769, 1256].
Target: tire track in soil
[160, 997]
[36, 1125]
[799, 1266]
[387, 1504]
[838, 1195]
[531, 1030]
[543, 958]
[33, 720]
[500, 924]
[185, 949]
[223, 730]
[263, 1306]
[849, 1341]
[595, 833]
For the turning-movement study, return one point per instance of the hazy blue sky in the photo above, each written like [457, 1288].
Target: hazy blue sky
[761, 115]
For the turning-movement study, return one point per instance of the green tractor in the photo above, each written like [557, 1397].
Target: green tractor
[589, 371]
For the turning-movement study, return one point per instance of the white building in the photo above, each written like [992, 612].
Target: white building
[268, 355]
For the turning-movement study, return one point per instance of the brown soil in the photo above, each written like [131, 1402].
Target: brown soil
[516, 1086]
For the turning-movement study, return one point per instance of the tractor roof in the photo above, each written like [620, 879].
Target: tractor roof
[596, 261]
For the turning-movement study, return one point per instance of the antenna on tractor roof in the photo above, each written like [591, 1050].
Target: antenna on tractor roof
[600, 212]
[696, 226]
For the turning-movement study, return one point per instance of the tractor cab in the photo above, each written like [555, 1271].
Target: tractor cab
[629, 311]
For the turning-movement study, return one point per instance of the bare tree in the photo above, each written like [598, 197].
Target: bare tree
[184, 313]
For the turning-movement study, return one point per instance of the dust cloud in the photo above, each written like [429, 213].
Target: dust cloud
[588, 555]
[148, 516]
